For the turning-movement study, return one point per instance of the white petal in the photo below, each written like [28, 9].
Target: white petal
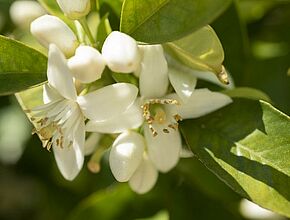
[50, 94]
[201, 102]
[59, 75]
[153, 79]
[87, 65]
[145, 177]
[70, 159]
[49, 29]
[121, 53]
[129, 119]
[108, 102]
[183, 83]
[164, 149]
[75, 9]
[22, 13]
[126, 155]
[91, 143]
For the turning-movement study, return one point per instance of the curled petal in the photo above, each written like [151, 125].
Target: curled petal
[58, 74]
[201, 102]
[145, 177]
[163, 149]
[108, 102]
[126, 155]
[129, 119]
[70, 159]
[153, 72]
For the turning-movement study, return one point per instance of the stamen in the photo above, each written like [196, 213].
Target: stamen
[159, 117]
[165, 130]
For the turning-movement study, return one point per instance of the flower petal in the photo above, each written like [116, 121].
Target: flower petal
[163, 149]
[145, 177]
[183, 83]
[91, 143]
[70, 159]
[201, 102]
[50, 94]
[153, 79]
[129, 119]
[58, 74]
[108, 102]
[126, 155]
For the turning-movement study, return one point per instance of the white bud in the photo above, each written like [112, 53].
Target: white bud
[144, 177]
[87, 65]
[121, 53]
[23, 13]
[75, 9]
[49, 29]
[126, 155]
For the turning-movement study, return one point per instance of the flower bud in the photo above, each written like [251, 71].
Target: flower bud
[126, 155]
[121, 53]
[75, 9]
[87, 65]
[23, 13]
[50, 29]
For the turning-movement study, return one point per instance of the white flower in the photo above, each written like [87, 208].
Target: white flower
[61, 120]
[121, 53]
[23, 13]
[161, 113]
[49, 29]
[75, 9]
[87, 65]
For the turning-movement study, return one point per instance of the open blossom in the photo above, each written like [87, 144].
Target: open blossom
[161, 145]
[61, 120]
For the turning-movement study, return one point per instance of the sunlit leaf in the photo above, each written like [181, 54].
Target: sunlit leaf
[247, 145]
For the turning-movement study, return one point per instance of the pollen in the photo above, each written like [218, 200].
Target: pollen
[160, 116]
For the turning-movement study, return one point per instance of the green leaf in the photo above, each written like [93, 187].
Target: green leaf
[21, 67]
[247, 145]
[249, 93]
[159, 21]
[104, 29]
[200, 50]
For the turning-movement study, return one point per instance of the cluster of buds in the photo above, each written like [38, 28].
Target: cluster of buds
[146, 118]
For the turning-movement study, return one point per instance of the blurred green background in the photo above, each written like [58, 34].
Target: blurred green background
[256, 38]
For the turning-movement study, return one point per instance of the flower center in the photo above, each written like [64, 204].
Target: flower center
[153, 112]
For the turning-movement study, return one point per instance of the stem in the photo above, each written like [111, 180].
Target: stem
[98, 5]
[86, 28]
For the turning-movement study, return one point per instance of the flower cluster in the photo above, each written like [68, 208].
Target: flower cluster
[144, 117]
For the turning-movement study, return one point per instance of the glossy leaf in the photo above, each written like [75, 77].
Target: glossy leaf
[246, 144]
[21, 67]
[159, 21]
[200, 50]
